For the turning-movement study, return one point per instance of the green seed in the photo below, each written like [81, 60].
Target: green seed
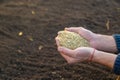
[71, 40]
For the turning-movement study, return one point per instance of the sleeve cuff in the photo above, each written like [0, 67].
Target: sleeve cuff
[117, 40]
[116, 67]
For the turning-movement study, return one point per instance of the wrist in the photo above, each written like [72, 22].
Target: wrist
[95, 56]
[101, 43]
[92, 55]
[104, 58]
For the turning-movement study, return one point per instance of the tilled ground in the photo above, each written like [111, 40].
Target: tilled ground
[33, 55]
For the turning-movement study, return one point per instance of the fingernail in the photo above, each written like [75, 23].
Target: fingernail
[59, 32]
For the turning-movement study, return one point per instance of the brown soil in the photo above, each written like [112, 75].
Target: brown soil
[33, 56]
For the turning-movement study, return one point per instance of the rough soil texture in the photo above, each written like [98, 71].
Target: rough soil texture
[34, 55]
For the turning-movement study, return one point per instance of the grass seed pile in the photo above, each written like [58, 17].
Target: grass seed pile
[71, 40]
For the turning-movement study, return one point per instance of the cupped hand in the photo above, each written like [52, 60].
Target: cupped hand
[97, 41]
[73, 56]
[81, 54]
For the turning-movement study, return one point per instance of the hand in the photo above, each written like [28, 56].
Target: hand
[78, 55]
[97, 41]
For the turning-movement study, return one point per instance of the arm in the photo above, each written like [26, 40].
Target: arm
[83, 54]
[110, 60]
[100, 42]
[104, 58]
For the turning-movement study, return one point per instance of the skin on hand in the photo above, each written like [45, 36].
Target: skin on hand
[97, 41]
[73, 56]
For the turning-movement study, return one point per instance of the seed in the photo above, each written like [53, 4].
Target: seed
[71, 40]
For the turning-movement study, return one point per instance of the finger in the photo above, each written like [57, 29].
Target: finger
[74, 29]
[66, 51]
[87, 34]
[79, 30]
[57, 41]
[58, 32]
[67, 58]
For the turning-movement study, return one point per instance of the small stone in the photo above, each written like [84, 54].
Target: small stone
[30, 38]
[62, 79]
[53, 72]
[19, 51]
[33, 12]
[40, 47]
[20, 33]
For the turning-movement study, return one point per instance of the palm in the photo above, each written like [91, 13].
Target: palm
[78, 55]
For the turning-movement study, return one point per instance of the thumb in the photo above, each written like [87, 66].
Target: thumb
[85, 33]
[79, 30]
[66, 51]
[74, 29]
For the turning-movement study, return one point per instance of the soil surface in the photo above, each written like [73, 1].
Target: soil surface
[28, 28]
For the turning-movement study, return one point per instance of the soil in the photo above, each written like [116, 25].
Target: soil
[28, 28]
